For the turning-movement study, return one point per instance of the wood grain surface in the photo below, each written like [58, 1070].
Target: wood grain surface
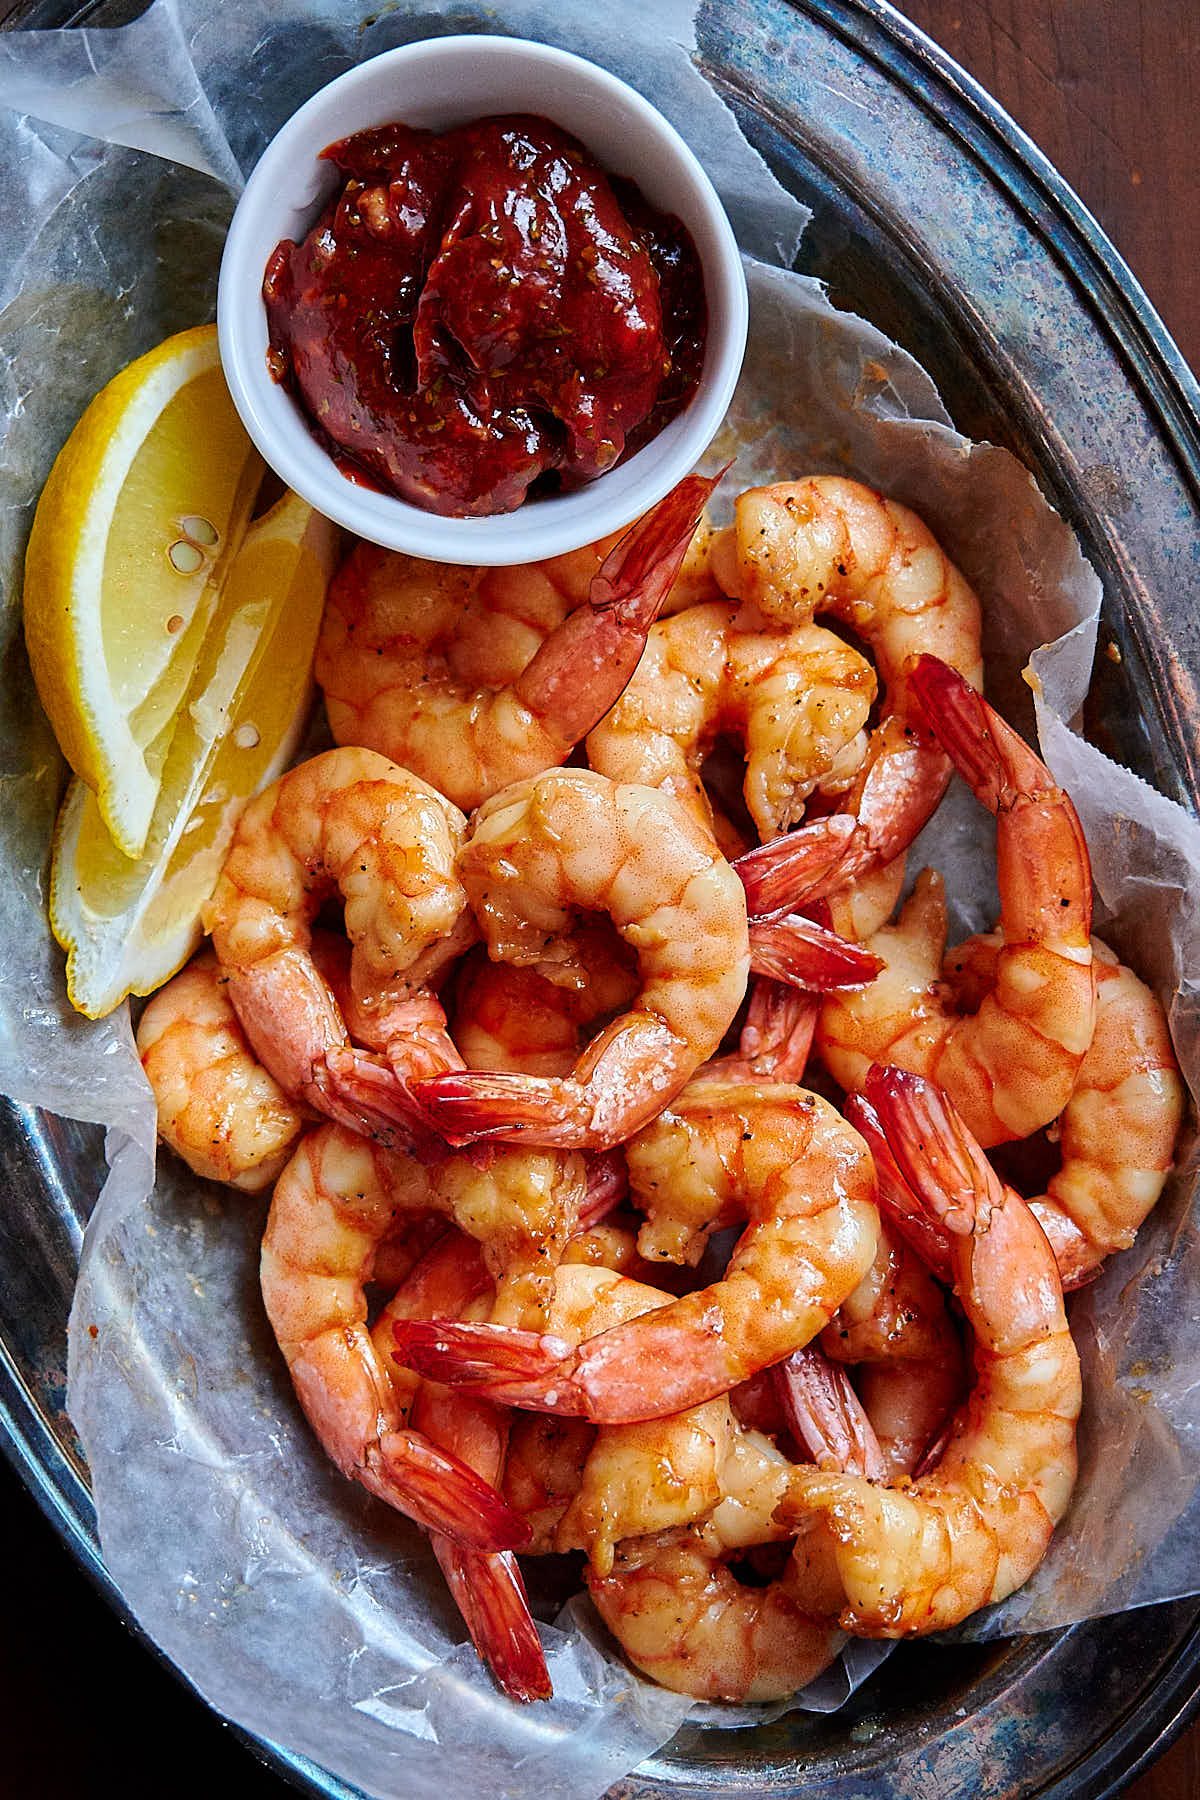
[1110, 91]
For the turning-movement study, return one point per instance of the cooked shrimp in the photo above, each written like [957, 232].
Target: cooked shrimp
[895, 1329]
[348, 821]
[568, 842]
[681, 1613]
[1011, 1066]
[333, 1207]
[779, 1157]
[487, 1587]
[476, 678]
[1117, 1132]
[827, 545]
[798, 698]
[217, 1106]
[923, 1556]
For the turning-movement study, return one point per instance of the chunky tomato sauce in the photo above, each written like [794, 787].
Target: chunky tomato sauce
[482, 314]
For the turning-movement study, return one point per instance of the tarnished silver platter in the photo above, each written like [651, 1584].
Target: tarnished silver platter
[936, 219]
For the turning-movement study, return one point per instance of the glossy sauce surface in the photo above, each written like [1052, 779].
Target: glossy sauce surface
[483, 310]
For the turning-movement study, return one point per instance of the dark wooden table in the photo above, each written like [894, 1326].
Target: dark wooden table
[1110, 90]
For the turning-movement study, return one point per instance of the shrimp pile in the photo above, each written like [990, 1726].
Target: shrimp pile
[625, 1159]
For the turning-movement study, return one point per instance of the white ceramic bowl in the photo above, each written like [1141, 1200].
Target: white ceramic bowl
[441, 83]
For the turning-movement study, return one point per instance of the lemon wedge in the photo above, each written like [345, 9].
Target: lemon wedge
[136, 529]
[128, 923]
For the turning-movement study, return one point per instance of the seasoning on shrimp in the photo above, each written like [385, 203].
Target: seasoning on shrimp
[826, 545]
[569, 842]
[218, 1108]
[1010, 1066]
[781, 1159]
[922, 1556]
[349, 823]
[475, 678]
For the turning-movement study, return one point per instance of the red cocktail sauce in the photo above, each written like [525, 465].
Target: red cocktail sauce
[482, 312]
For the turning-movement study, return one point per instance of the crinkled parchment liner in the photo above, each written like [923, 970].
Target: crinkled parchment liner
[295, 1604]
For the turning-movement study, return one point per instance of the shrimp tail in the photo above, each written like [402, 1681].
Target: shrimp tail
[938, 1158]
[894, 1193]
[607, 1186]
[804, 954]
[638, 573]
[440, 1492]
[361, 1091]
[490, 1595]
[506, 1364]
[782, 873]
[483, 1103]
[826, 1415]
[583, 668]
[981, 745]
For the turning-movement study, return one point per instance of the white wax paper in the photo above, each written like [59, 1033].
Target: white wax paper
[298, 1606]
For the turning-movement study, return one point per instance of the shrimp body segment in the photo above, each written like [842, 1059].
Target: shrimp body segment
[352, 824]
[780, 1158]
[475, 678]
[218, 1108]
[1009, 1067]
[330, 1214]
[922, 1556]
[568, 842]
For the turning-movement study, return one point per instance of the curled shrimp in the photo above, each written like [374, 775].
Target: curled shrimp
[1117, 1132]
[487, 1587]
[568, 842]
[680, 1611]
[1009, 1067]
[826, 545]
[333, 1207]
[218, 1108]
[475, 678]
[797, 697]
[780, 1158]
[922, 1556]
[351, 823]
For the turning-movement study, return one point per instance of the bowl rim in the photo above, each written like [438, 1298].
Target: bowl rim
[541, 528]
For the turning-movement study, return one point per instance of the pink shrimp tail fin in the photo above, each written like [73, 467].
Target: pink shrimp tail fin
[440, 1492]
[938, 1158]
[363, 1092]
[490, 1595]
[776, 1039]
[607, 1186]
[640, 570]
[511, 1108]
[826, 1415]
[797, 950]
[584, 667]
[784, 873]
[895, 1195]
[518, 1368]
[990, 756]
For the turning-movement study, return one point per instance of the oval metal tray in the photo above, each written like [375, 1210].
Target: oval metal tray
[937, 219]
